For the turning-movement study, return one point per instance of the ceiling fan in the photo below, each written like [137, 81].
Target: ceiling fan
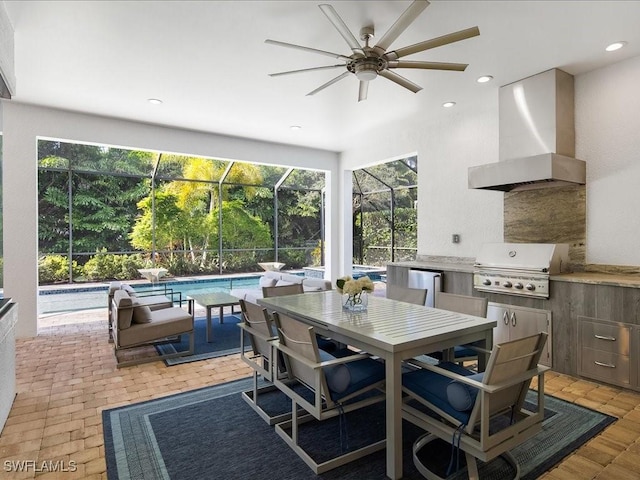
[367, 62]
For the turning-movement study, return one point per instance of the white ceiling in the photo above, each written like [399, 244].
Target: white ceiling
[209, 64]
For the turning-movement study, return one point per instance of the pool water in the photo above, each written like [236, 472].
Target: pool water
[85, 298]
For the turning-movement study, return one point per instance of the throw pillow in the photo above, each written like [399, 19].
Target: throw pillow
[267, 282]
[282, 283]
[141, 314]
[462, 396]
[129, 289]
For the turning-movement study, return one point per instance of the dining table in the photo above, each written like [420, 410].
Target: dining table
[392, 330]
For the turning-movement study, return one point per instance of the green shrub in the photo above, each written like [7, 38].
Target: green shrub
[55, 269]
[108, 266]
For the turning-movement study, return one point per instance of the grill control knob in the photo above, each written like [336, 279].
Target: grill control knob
[507, 284]
[518, 285]
[530, 287]
[486, 281]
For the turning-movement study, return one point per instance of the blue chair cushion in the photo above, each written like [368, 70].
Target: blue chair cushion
[326, 344]
[348, 378]
[461, 396]
[433, 388]
[338, 376]
[461, 351]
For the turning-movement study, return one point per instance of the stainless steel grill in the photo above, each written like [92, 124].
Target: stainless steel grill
[519, 268]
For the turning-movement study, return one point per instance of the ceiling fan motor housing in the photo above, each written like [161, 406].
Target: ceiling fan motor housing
[366, 68]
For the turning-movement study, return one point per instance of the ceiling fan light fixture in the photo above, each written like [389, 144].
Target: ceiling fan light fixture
[366, 71]
[615, 46]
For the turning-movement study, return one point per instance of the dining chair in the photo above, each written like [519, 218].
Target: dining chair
[462, 407]
[417, 296]
[325, 344]
[258, 328]
[331, 383]
[469, 305]
[278, 290]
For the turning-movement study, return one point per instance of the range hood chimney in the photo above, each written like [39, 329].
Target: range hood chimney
[537, 137]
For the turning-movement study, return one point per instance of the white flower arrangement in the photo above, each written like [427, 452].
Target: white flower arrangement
[354, 289]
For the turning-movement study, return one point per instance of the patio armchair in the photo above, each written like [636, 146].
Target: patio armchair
[135, 325]
[335, 385]
[154, 298]
[258, 328]
[462, 407]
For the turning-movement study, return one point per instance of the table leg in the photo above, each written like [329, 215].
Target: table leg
[221, 315]
[209, 339]
[393, 372]
[488, 345]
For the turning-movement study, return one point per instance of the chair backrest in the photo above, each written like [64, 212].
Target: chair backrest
[260, 327]
[466, 304]
[301, 339]
[407, 294]
[277, 291]
[510, 360]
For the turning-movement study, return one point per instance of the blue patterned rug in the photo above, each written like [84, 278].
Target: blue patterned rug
[212, 433]
[226, 341]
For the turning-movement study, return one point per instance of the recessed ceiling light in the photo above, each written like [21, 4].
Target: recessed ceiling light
[484, 79]
[448, 104]
[295, 127]
[615, 46]
[154, 101]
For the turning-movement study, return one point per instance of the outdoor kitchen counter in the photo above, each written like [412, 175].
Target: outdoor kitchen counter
[595, 278]
[463, 267]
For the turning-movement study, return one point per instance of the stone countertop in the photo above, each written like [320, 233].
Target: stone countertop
[616, 280]
[440, 266]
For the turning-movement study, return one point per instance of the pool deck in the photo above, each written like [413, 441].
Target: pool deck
[48, 320]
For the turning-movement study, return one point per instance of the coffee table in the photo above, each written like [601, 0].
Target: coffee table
[212, 300]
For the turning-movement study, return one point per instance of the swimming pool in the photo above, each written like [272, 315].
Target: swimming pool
[357, 271]
[52, 300]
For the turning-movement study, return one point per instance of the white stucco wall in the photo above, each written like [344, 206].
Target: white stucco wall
[23, 124]
[447, 142]
[608, 139]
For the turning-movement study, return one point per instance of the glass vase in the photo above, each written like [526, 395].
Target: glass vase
[355, 303]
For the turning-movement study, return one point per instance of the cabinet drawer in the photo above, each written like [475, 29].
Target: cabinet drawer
[610, 367]
[611, 338]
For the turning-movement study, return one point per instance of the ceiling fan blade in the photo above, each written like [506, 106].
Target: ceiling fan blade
[328, 67]
[433, 43]
[329, 83]
[342, 28]
[406, 19]
[364, 89]
[308, 49]
[458, 67]
[394, 77]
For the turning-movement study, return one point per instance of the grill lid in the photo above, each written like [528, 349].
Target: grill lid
[550, 258]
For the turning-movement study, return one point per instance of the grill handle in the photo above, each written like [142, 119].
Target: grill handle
[603, 337]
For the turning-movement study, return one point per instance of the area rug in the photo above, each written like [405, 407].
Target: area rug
[213, 433]
[226, 341]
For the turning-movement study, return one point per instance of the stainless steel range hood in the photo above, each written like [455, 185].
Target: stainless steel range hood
[539, 171]
[537, 137]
